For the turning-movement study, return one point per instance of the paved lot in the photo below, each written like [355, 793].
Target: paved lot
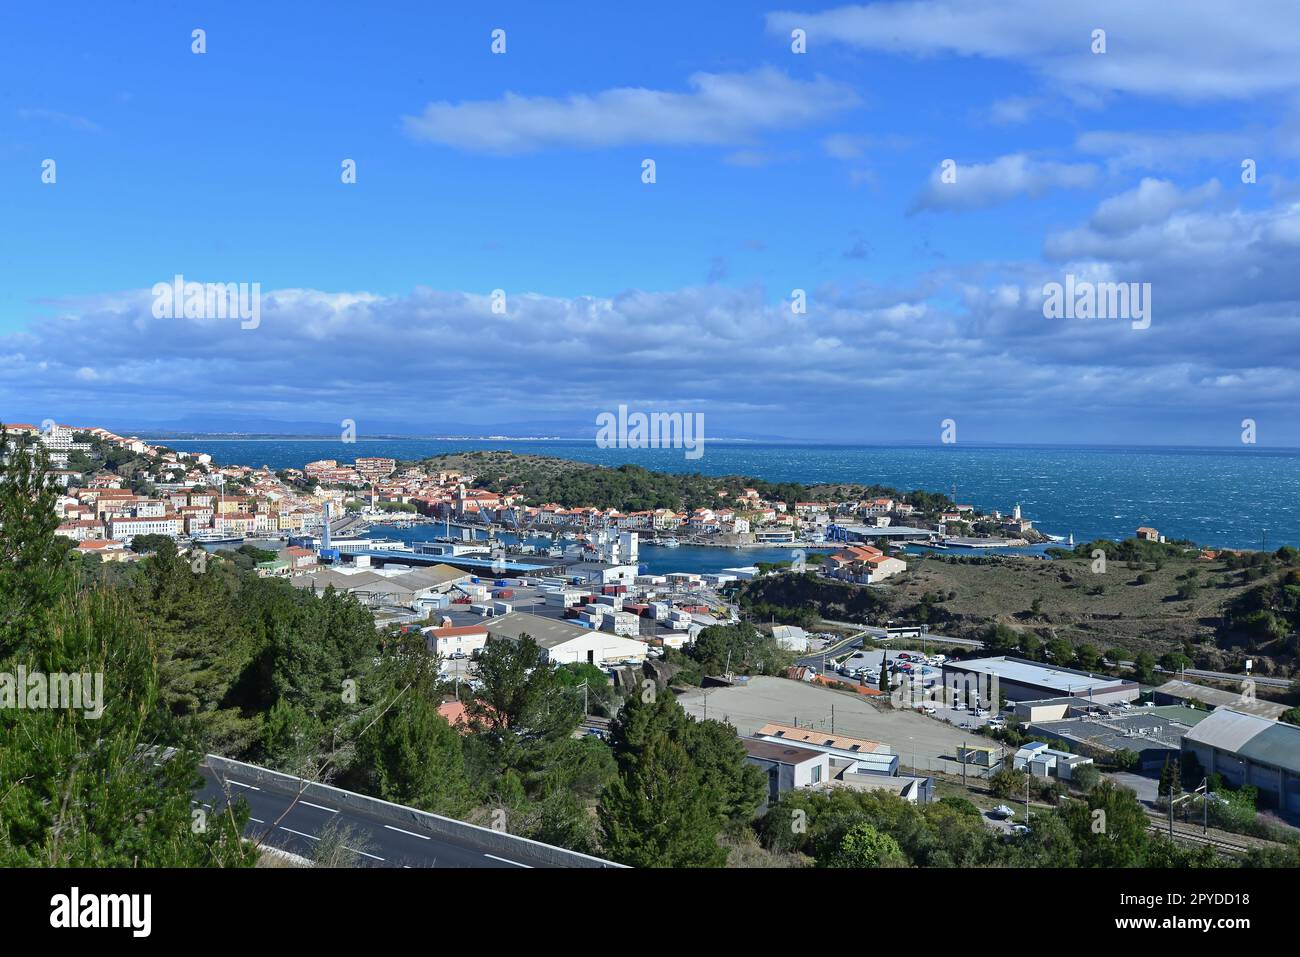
[932, 675]
[921, 742]
[1146, 788]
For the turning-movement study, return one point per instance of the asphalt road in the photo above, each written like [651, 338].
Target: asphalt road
[375, 842]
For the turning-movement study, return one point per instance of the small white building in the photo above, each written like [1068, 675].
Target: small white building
[1041, 761]
[787, 766]
[790, 637]
[450, 640]
[565, 643]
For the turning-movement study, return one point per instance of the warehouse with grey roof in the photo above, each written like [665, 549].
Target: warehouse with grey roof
[1248, 749]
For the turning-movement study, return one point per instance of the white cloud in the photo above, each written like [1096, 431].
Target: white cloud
[1195, 49]
[1151, 201]
[979, 185]
[1013, 110]
[1126, 150]
[720, 109]
[1223, 336]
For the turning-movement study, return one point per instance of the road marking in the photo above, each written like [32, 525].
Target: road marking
[299, 833]
[257, 820]
[423, 837]
[319, 807]
[504, 860]
[362, 853]
[243, 785]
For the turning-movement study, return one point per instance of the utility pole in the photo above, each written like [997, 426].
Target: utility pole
[832, 719]
[1028, 776]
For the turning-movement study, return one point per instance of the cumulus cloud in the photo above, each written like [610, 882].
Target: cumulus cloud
[978, 185]
[720, 109]
[1196, 49]
[1223, 335]
[1151, 202]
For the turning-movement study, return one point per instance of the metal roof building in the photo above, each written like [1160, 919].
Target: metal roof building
[1180, 691]
[1021, 680]
[1248, 749]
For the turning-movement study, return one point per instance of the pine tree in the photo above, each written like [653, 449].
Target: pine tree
[658, 813]
[34, 569]
[85, 786]
[408, 753]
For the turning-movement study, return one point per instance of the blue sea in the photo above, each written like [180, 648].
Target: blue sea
[1227, 497]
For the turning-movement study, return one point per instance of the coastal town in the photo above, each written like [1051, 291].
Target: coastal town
[186, 495]
[843, 707]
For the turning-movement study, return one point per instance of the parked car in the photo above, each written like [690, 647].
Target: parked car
[981, 712]
[1002, 812]
[927, 708]
[1019, 829]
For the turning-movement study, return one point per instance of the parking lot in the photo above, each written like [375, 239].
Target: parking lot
[931, 676]
[921, 742]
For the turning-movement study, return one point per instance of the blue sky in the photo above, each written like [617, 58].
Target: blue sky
[775, 171]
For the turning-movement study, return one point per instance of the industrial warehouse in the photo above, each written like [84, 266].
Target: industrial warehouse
[1246, 749]
[1020, 680]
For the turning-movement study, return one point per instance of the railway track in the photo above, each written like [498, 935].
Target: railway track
[1192, 835]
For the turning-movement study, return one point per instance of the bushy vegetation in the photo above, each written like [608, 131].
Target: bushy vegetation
[79, 789]
[806, 598]
[545, 479]
[873, 829]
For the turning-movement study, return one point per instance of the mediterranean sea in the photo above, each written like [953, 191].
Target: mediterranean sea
[1227, 497]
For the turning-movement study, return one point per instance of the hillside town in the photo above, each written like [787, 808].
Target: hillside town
[584, 599]
[187, 495]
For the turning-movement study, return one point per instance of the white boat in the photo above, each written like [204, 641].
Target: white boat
[667, 542]
[216, 538]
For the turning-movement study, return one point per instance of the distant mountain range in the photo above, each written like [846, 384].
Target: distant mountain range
[243, 426]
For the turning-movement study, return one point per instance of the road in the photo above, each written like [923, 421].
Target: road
[876, 632]
[1259, 680]
[297, 827]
